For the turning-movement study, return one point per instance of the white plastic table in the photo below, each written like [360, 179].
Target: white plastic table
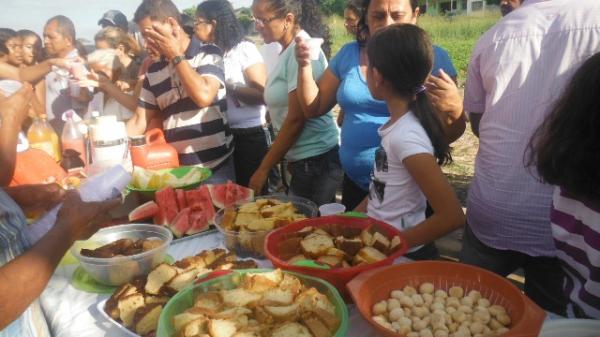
[73, 313]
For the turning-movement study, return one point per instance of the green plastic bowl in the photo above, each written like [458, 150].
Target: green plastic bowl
[185, 298]
[178, 172]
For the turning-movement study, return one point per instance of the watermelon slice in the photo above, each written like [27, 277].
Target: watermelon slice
[200, 200]
[181, 224]
[229, 194]
[198, 220]
[145, 211]
[181, 200]
[166, 200]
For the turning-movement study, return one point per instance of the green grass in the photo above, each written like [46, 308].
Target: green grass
[457, 35]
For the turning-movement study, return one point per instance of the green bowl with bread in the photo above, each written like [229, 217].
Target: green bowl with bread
[253, 302]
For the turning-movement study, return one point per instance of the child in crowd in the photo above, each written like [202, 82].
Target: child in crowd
[406, 172]
[566, 152]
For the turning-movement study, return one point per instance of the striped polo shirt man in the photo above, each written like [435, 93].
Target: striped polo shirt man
[200, 135]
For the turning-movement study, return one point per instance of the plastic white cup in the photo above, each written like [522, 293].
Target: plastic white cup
[331, 209]
[314, 47]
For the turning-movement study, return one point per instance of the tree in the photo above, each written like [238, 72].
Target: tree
[190, 11]
[331, 7]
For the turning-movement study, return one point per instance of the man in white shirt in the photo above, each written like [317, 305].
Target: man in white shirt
[517, 70]
[59, 41]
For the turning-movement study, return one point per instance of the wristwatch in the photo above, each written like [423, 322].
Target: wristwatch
[177, 59]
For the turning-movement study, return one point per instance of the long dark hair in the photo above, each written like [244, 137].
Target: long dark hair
[38, 54]
[362, 33]
[5, 35]
[565, 149]
[403, 54]
[308, 17]
[228, 31]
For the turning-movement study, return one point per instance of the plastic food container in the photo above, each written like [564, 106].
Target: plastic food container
[571, 328]
[338, 276]
[251, 244]
[375, 285]
[231, 279]
[119, 270]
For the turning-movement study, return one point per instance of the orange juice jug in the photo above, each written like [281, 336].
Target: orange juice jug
[42, 136]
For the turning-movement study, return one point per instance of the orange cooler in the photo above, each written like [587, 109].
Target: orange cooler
[153, 152]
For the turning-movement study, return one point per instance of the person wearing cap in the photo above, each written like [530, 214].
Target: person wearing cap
[114, 18]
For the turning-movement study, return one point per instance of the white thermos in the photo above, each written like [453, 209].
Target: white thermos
[109, 144]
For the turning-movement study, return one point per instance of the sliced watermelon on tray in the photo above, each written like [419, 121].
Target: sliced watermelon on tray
[229, 194]
[181, 200]
[199, 221]
[181, 224]
[144, 211]
[166, 200]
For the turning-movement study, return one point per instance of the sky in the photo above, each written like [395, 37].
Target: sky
[33, 14]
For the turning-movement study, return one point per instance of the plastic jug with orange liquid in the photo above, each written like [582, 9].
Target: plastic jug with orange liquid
[42, 136]
[152, 151]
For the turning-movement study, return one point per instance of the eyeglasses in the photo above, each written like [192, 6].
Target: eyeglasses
[264, 22]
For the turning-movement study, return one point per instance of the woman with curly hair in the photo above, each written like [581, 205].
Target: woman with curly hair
[344, 83]
[310, 145]
[565, 150]
[245, 78]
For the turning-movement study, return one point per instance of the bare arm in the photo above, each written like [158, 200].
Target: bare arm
[315, 99]
[13, 111]
[23, 279]
[447, 211]
[30, 74]
[256, 78]
[137, 124]
[286, 138]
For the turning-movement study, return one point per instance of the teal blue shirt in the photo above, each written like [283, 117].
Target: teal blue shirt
[320, 134]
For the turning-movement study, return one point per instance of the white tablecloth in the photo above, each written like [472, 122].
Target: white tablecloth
[73, 313]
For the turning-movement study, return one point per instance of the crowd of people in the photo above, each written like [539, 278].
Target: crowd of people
[240, 109]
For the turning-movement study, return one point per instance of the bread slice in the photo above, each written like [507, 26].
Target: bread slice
[210, 303]
[380, 242]
[157, 299]
[251, 207]
[112, 305]
[128, 305]
[358, 260]
[190, 315]
[191, 262]
[316, 326]
[284, 313]
[260, 225]
[331, 261]
[228, 219]
[239, 297]
[366, 237]
[246, 334]
[278, 296]
[262, 316]
[145, 319]
[261, 282]
[396, 241]
[331, 321]
[233, 313]
[349, 246]
[371, 255]
[160, 275]
[221, 328]
[311, 299]
[291, 329]
[291, 283]
[194, 328]
[274, 211]
[243, 219]
[315, 245]
[183, 279]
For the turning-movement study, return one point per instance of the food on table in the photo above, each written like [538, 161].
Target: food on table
[192, 211]
[264, 304]
[427, 311]
[337, 246]
[138, 304]
[144, 179]
[122, 247]
[249, 224]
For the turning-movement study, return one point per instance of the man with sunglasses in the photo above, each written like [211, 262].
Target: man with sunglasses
[186, 88]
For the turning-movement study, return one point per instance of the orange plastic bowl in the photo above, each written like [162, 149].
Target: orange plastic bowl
[339, 277]
[376, 285]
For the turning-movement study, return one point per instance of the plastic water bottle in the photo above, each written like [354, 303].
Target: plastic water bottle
[72, 138]
[107, 185]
